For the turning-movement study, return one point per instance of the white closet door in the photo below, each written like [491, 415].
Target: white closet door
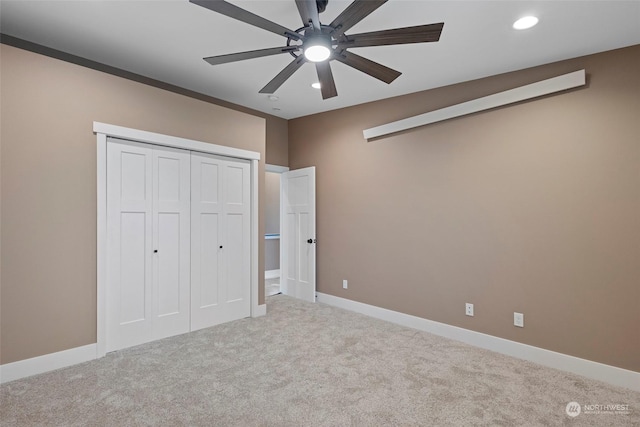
[237, 241]
[220, 240]
[171, 242]
[129, 244]
[148, 251]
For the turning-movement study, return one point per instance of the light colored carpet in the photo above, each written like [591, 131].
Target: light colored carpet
[308, 365]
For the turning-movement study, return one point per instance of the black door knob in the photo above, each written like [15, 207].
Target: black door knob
[155, 251]
[310, 241]
[220, 246]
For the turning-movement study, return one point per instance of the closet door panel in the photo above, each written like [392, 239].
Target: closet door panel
[220, 254]
[237, 221]
[206, 243]
[168, 264]
[129, 244]
[210, 256]
[235, 260]
[134, 167]
[209, 182]
[132, 283]
[209, 185]
[235, 180]
[171, 215]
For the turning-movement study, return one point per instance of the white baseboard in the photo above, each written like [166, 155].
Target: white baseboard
[271, 274]
[48, 362]
[598, 371]
[260, 310]
[62, 359]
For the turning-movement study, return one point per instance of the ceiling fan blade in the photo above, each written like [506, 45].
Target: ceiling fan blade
[235, 12]
[241, 56]
[325, 77]
[417, 34]
[354, 13]
[309, 13]
[287, 72]
[367, 66]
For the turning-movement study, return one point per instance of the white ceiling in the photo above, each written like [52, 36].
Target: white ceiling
[166, 41]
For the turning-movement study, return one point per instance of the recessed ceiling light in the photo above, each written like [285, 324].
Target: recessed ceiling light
[525, 22]
[273, 98]
[315, 85]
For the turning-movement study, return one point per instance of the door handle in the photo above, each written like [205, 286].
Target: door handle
[311, 241]
[155, 251]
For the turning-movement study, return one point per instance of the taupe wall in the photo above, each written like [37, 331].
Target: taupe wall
[277, 154]
[277, 141]
[48, 176]
[532, 208]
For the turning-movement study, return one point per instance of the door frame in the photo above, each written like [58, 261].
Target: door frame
[103, 131]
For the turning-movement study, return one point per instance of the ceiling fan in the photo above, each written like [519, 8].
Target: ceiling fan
[321, 43]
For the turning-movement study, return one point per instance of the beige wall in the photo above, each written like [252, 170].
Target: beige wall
[48, 177]
[277, 141]
[532, 208]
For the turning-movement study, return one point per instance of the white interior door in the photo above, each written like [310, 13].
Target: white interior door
[148, 243]
[129, 244]
[171, 247]
[220, 240]
[298, 233]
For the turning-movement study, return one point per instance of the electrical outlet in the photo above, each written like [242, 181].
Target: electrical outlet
[468, 309]
[518, 319]
[345, 285]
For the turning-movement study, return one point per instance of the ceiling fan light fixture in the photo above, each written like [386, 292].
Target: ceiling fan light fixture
[525, 22]
[317, 49]
[317, 53]
[315, 42]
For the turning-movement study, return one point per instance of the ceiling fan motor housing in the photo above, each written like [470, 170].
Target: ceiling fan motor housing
[307, 36]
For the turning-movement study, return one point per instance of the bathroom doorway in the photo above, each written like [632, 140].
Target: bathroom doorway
[272, 229]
